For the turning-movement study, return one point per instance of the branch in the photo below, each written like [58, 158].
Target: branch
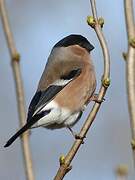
[130, 67]
[15, 58]
[66, 161]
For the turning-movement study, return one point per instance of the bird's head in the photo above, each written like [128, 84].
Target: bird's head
[75, 39]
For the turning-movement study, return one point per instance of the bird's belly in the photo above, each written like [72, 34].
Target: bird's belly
[65, 121]
[56, 117]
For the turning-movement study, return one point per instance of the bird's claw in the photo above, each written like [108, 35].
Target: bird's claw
[95, 99]
[77, 136]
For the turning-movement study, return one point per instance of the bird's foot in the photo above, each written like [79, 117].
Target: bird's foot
[95, 99]
[76, 135]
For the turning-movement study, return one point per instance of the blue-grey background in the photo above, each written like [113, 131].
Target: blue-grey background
[37, 26]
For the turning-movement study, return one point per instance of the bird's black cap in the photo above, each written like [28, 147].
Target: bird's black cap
[75, 39]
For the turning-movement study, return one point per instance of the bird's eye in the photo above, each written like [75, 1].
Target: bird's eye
[71, 74]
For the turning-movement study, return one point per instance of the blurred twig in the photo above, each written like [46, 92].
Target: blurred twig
[121, 172]
[15, 59]
[66, 161]
[130, 67]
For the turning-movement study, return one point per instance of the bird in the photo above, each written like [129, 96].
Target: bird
[65, 88]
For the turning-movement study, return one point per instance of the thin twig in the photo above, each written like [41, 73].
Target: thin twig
[19, 90]
[130, 67]
[66, 161]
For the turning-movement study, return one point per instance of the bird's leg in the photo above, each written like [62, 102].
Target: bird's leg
[72, 132]
[95, 99]
[76, 136]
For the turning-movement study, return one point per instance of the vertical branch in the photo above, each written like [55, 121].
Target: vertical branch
[130, 67]
[65, 161]
[15, 58]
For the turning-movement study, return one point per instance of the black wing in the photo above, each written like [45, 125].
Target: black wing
[39, 100]
[33, 103]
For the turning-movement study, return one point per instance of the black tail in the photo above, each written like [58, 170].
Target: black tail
[16, 135]
[26, 127]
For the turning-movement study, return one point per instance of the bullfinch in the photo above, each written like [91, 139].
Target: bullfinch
[65, 88]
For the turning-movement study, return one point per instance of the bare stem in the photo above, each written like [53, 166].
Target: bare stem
[65, 166]
[19, 90]
[130, 67]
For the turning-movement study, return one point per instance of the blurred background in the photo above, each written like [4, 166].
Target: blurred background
[37, 26]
